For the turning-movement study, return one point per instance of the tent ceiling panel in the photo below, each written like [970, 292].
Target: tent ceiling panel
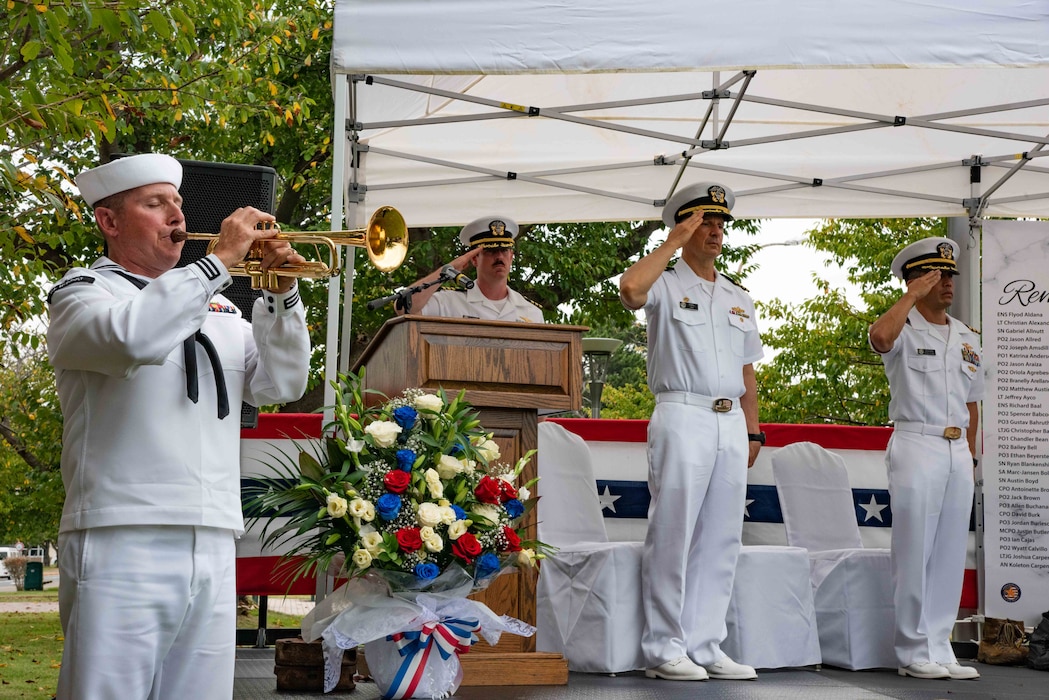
[511, 133]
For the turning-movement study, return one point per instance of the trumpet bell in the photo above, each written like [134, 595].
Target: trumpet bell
[386, 239]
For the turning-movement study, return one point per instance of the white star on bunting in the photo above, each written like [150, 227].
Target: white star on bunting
[746, 508]
[873, 509]
[608, 500]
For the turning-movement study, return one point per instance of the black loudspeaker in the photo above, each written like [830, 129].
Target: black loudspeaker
[211, 192]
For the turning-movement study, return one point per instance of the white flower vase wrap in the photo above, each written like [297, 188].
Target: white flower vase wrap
[412, 638]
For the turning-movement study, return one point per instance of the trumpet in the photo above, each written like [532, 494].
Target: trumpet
[385, 238]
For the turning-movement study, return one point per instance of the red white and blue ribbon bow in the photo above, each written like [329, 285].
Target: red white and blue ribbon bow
[451, 636]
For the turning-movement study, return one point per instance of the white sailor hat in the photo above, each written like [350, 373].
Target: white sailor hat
[492, 231]
[128, 173]
[933, 253]
[705, 196]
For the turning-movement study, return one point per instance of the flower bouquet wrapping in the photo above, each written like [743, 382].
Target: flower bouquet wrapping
[407, 499]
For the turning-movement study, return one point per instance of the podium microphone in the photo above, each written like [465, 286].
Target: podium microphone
[450, 273]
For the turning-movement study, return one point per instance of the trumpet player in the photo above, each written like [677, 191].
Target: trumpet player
[152, 363]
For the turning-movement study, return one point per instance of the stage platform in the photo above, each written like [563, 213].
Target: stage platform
[255, 681]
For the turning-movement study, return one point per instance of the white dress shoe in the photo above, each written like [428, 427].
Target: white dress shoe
[680, 669]
[925, 670]
[961, 673]
[728, 670]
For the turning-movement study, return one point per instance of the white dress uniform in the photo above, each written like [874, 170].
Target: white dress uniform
[701, 334]
[472, 303]
[930, 480]
[139, 457]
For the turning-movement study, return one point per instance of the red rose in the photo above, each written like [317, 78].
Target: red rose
[397, 481]
[466, 547]
[513, 542]
[488, 490]
[409, 539]
[507, 491]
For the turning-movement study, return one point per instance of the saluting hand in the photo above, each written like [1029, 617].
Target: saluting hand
[683, 232]
[920, 287]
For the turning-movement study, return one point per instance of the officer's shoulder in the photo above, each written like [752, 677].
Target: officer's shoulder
[972, 329]
[533, 303]
[734, 281]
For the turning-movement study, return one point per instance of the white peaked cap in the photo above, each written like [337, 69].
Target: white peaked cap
[128, 173]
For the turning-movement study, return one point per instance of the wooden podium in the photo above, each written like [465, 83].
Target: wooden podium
[509, 371]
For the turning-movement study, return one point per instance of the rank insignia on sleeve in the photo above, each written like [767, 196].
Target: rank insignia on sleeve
[970, 355]
[737, 311]
[686, 304]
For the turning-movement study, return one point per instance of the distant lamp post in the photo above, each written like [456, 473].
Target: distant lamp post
[596, 354]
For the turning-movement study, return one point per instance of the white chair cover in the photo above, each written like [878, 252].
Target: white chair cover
[852, 586]
[589, 594]
[588, 599]
[771, 617]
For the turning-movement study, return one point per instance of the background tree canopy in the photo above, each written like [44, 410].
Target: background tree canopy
[247, 82]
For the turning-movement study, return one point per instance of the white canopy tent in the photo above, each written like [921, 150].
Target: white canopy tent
[598, 110]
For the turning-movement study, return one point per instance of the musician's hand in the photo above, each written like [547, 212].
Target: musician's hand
[237, 234]
[280, 253]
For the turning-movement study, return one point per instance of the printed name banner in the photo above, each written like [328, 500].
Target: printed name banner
[1016, 419]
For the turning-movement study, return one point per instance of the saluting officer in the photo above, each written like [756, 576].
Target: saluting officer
[702, 437]
[152, 364]
[932, 361]
[490, 249]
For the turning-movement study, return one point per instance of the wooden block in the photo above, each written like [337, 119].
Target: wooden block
[311, 678]
[522, 668]
[296, 652]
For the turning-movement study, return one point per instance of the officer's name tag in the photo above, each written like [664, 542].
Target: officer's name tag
[926, 351]
[688, 305]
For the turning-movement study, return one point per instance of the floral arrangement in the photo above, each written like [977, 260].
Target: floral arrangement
[409, 488]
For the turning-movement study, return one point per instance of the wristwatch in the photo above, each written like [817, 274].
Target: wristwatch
[756, 437]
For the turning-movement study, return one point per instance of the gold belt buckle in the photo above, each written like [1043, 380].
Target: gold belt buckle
[722, 405]
[952, 433]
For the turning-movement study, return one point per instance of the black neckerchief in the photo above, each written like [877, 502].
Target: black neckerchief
[189, 350]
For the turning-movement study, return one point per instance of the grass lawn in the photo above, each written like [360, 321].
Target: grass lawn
[31, 644]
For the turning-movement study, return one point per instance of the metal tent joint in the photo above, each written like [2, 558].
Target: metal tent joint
[899, 121]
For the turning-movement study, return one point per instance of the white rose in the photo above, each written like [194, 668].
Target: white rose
[360, 508]
[426, 531]
[372, 541]
[336, 505]
[429, 402]
[448, 466]
[384, 433]
[469, 466]
[362, 558]
[458, 529]
[433, 543]
[429, 514]
[488, 450]
[523, 494]
[447, 515]
[433, 484]
[487, 511]
[526, 558]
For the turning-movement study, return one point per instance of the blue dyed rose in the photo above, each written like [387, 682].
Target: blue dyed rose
[405, 417]
[456, 450]
[460, 514]
[405, 460]
[486, 565]
[388, 506]
[514, 508]
[427, 571]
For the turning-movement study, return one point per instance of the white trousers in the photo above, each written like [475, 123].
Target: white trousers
[148, 612]
[931, 491]
[697, 477]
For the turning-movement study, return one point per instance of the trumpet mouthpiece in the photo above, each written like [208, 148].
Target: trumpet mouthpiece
[179, 236]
